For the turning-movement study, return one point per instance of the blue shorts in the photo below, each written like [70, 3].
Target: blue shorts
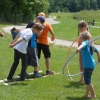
[87, 75]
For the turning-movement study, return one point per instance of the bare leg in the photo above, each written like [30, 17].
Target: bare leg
[47, 62]
[87, 91]
[93, 95]
[36, 69]
[82, 78]
[90, 89]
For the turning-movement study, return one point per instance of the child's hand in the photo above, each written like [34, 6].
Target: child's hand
[11, 45]
[77, 50]
[52, 38]
[37, 41]
[11, 42]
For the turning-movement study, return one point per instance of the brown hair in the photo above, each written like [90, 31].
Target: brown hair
[86, 36]
[82, 24]
[14, 29]
[38, 26]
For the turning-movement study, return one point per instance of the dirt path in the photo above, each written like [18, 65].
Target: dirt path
[51, 20]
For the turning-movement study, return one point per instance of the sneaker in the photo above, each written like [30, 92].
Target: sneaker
[37, 75]
[50, 72]
[9, 78]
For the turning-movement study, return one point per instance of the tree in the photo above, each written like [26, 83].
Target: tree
[85, 4]
[74, 6]
[98, 2]
[22, 10]
[93, 4]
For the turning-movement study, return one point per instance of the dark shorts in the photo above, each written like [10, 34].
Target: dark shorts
[45, 49]
[87, 75]
[32, 57]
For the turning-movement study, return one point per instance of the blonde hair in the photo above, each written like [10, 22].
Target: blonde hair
[86, 36]
[38, 26]
[42, 14]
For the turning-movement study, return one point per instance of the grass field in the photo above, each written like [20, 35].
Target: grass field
[68, 30]
[56, 87]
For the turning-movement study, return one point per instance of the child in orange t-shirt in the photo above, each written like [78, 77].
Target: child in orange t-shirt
[43, 44]
[82, 26]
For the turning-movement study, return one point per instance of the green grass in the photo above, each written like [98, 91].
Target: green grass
[56, 87]
[68, 30]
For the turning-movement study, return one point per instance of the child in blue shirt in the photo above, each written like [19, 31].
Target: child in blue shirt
[32, 55]
[88, 62]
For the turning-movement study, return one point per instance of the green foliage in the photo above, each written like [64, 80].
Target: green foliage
[73, 5]
[22, 10]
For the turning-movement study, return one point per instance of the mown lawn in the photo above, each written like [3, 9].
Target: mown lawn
[68, 30]
[56, 87]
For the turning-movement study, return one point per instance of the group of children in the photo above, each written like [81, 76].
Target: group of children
[25, 46]
[35, 38]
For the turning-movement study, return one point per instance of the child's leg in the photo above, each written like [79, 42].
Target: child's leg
[81, 69]
[87, 79]
[36, 69]
[23, 61]
[14, 65]
[93, 95]
[87, 91]
[47, 63]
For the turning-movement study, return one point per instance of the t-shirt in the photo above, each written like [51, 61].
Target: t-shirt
[14, 34]
[88, 57]
[33, 41]
[43, 38]
[30, 24]
[22, 46]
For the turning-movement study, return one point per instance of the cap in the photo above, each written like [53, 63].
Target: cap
[41, 18]
[42, 14]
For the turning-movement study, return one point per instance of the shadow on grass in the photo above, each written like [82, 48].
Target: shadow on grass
[22, 84]
[76, 98]
[74, 84]
[17, 81]
[61, 97]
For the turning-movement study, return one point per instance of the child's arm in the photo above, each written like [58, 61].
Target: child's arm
[18, 35]
[53, 35]
[13, 44]
[79, 48]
